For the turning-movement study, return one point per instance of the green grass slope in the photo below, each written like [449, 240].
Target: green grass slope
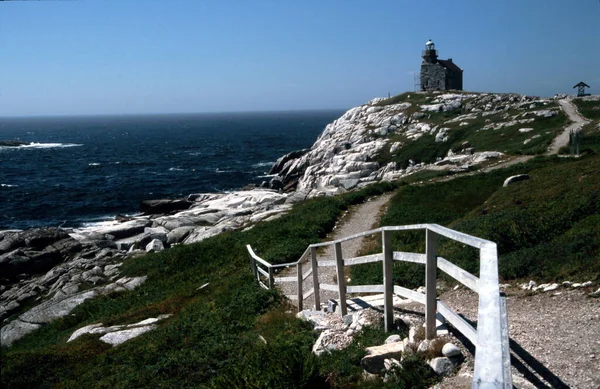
[213, 338]
[546, 228]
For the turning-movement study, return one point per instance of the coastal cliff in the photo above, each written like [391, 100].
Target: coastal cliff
[383, 140]
[387, 139]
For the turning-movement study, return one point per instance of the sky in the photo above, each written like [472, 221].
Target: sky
[89, 57]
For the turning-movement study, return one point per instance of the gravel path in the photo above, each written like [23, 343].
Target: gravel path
[555, 336]
[578, 122]
[359, 218]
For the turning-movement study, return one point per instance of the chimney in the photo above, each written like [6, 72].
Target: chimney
[449, 59]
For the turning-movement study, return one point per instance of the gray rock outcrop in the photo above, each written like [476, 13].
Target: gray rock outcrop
[346, 154]
[59, 306]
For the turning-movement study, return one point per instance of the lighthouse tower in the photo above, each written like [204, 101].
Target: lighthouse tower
[439, 74]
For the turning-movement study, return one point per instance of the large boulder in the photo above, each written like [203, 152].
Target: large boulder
[59, 307]
[34, 239]
[282, 161]
[374, 361]
[22, 261]
[442, 366]
[124, 230]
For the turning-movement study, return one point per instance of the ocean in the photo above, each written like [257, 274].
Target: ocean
[75, 171]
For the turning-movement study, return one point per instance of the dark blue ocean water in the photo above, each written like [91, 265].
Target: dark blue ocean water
[79, 170]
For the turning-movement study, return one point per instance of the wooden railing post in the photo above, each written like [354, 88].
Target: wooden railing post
[339, 264]
[254, 271]
[388, 281]
[315, 274]
[271, 278]
[300, 294]
[430, 280]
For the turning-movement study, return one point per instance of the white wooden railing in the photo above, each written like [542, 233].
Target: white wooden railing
[492, 357]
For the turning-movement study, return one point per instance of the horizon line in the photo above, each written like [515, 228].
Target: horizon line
[48, 116]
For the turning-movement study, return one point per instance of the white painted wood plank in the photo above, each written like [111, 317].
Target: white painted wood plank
[458, 236]
[462, 276]
[365, 289]
[330, 287]
[263, 272]
[458, 322]
[306, 274]
[326, 263]
[363, 259]
[285, 279]
[309, 293]
[256, 257]
[409, 294]
[263, 285]
[409, 257]
[489, 362]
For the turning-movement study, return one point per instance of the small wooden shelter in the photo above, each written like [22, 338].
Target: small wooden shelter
[581, 88]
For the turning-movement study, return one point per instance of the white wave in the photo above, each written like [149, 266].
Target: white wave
[35, 145]
[263, 164]
[175, 169]
[217, 170]
[93, 164]
[8, 185]
[267, 176]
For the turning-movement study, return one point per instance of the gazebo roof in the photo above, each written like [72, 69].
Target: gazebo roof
[581, 83]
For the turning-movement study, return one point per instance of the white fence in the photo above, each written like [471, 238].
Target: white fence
[492, 356]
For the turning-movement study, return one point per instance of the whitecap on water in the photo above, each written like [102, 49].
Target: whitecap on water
[93, 164]
[175, 169]
[8, 186]
[35, 145]
[263, 164]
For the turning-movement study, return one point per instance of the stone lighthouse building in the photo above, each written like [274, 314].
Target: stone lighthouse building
[439, 74]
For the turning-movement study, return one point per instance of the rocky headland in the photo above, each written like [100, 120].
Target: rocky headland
[46, 272]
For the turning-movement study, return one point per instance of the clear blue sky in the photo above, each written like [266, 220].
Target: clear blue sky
[148, 56]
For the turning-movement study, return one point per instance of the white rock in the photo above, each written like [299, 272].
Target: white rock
[412, 334]
[423, 346]
[442, 366]
[450, 350]
[155, 245]
[15, 330]
[550, 288]
[374, 363]
[512, 179]
[586, 284]
[118, 337]
[393, 339]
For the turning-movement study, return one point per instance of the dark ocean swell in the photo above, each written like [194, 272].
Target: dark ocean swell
[76, 170]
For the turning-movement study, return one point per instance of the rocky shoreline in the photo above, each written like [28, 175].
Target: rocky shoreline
[56, 267]
[53, 265]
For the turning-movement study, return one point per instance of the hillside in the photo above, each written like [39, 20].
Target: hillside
[387, 139]
[223, 328]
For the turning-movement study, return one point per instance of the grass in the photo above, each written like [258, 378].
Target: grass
[508, 140]
[547, 228]
[588, 108]
[214, 337]
[589, 140]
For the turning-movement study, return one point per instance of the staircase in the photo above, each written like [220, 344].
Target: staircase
[317, 279]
